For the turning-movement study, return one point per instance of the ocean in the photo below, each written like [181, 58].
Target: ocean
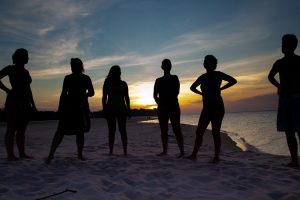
[254, 131]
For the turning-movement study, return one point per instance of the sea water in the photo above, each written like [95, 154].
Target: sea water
[251, 131]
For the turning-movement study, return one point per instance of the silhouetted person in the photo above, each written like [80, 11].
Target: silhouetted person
[19, 103]
[213, 106]
[288, 118]
[74, 112]
[116, 106]
[166, 90]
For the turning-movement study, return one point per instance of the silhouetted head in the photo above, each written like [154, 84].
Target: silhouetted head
[289, 43]
[114, 73]
[76, 65]
[20, 57]
[166, 65]
[210, 63]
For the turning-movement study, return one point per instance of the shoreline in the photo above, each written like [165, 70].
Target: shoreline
[227, 136]
[235, 140]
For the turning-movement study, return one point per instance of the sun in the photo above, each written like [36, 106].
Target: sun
[143, 96]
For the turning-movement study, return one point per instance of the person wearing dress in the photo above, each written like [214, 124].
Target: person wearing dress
[19, 103]
[74, 113]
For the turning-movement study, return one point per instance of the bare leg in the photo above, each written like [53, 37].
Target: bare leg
[20, 140]
[175, 121]
[111, 122]
[55, 143]
[217, 143]
[80, 144]
[293, 147]
[9, 144]
[123, 132]
[216, 127]
[163, 123]
[202, 125]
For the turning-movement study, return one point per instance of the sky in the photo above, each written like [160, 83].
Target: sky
[245, 37]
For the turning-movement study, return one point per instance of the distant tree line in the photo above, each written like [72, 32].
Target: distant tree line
[53, 115]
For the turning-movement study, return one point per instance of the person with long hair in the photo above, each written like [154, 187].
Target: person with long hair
[19, 103]
[166, 90]
[288, 88]
[74, 112]
[213, 107]
[116, 106]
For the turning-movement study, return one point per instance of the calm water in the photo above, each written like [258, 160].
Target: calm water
[257, 129]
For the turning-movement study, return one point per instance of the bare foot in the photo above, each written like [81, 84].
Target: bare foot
[25, 156]
[48, 160]
[215, 160]
[162, 154]
[192, 157]
[180, 155]
[292, 164]
[81, 158]
[12, 158]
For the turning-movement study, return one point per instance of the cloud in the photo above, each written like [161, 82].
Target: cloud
[37, 17]
[52, 31]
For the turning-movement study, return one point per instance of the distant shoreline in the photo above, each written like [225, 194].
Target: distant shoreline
[53, 115]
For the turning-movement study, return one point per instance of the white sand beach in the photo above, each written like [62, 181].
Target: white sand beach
[142, 175]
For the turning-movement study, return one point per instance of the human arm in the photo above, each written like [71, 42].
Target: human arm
[127, 100]
[196, 84]
[90, 88]
[177, 86]
[272, 74]
[32, 101]
[63, 95]
[3, 87]
[155, 92]
[4, 72]
[104, 96]
[230, 81]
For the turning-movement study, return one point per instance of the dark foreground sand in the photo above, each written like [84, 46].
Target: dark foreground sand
[142, 175]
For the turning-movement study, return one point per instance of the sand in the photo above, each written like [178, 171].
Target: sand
[142, 174]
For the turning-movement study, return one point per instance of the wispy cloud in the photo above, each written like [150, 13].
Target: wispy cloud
[51, 30]
[55, 31]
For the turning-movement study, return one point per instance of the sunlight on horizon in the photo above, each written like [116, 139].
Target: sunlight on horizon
[142, 96]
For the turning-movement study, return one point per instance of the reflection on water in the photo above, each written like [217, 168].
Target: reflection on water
[257, 129]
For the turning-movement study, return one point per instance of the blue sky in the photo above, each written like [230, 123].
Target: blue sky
[245, 36]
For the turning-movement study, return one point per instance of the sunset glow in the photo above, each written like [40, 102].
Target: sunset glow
[137, 35]
[142, 96]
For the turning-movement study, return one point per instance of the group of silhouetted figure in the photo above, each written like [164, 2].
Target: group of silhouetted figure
[74, 112]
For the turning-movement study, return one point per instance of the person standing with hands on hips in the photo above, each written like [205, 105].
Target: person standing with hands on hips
[213, 106]
[19, 103]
